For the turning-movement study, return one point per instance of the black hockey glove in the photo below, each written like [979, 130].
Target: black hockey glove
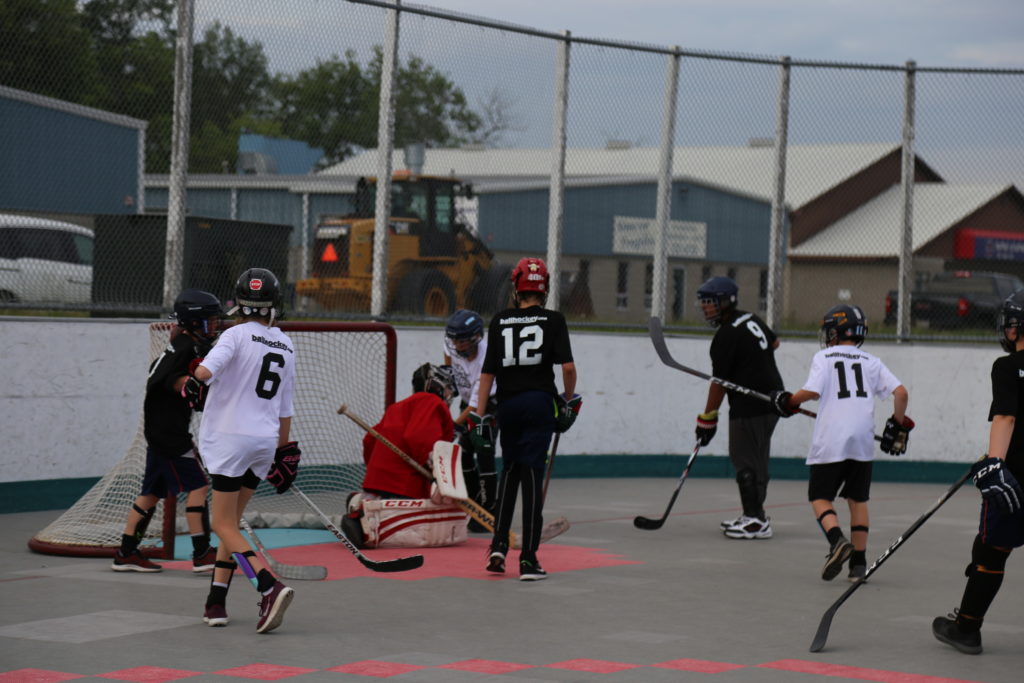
[896, 436]
[566, 412]
[997, 484]
[707, 425]
[286, 466]
[194, 393]
[780, 403]
[481, 433]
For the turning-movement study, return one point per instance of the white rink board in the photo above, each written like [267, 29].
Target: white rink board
[72, 398]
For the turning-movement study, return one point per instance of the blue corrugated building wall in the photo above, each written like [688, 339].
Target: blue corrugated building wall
[58, 157]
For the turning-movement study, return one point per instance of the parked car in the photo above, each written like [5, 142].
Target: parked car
[957, 299]
[44, 261]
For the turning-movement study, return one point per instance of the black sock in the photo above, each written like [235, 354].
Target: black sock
[218, 595]
[128, 545]
[859, 557]
[264, 581]
[200, 544]
[833, 535]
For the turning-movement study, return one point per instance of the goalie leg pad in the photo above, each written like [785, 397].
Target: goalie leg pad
[412, 523]
[446, 459]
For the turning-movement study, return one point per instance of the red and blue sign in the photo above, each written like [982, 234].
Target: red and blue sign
[996, 245]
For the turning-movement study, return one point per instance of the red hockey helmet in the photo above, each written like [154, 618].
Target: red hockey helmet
[531, 275]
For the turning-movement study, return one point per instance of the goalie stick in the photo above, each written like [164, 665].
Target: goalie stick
[641, 522]
[826, 619]
[661, 348]
[550, 530]
[310, 572]
[400, 564]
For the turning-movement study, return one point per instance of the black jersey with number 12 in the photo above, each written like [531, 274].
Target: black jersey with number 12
[523, 346]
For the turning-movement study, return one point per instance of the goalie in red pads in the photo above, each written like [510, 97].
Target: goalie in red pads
[399, 507]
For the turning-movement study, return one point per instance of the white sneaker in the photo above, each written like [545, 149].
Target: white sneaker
[726, 523]
[750, 527]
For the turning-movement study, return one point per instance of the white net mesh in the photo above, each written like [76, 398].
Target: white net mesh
[337, 363]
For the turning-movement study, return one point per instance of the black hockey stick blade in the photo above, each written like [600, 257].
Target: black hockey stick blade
[310, 572]
[641, 522]
[826, 619]
[400, 564]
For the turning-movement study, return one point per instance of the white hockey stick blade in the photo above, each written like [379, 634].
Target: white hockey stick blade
[286, 571]
[555, 527]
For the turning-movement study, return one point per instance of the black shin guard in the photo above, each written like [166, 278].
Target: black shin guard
[142, 523]
[218, 594]
[488, 489]
[984, 577]
[750, 493]
[200, 543]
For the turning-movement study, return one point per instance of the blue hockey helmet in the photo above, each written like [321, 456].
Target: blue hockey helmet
[463, 332]
[717, 296]
[843, 323]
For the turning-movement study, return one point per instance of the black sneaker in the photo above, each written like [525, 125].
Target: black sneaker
[948, 631]
[838, 554]
[857, 572]
[496, 561]
[530, 570]
[136, 562]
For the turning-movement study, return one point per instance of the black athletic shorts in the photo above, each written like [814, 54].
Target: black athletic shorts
[1000, 529]
[854, 476]
[167, 476]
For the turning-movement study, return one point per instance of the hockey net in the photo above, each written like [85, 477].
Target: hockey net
[336, 363]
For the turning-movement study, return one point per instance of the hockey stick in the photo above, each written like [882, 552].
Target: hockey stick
[641, 522]
[826, 619]
[658, 339]
[478, 513]
[310, 572]
[400, 564]
[551, 467]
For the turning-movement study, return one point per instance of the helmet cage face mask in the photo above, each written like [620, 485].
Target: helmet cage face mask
[463, 333]
[435, 379]
[1011, 316]
[715, 297]
[199, 313]
[258, 294]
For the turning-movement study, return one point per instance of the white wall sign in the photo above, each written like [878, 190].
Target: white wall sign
[685, 239]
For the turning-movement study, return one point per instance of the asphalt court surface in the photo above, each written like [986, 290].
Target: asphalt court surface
[682, 603]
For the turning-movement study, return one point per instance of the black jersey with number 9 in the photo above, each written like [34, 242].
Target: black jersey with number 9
[523, 346]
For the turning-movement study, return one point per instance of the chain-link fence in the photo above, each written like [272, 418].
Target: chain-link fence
[637, 171]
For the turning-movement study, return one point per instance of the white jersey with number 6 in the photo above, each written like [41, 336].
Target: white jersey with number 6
[848, 380]
[253, 377]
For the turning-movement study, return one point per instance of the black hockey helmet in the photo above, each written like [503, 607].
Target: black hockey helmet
[843, 323]
[258, 293]
[198, 312]
[722, 293]
[435, 379]
[463, 332]
[1011, 316]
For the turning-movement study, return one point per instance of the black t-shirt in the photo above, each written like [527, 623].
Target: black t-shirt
[523, 346]
[742, 352]
[166, 414]
[1008, 399]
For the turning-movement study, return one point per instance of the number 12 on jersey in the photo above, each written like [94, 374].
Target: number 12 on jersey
[522, 345]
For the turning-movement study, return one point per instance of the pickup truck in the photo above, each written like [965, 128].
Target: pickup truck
[957, 299]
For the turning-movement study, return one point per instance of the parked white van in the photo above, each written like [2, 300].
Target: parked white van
[44, 261]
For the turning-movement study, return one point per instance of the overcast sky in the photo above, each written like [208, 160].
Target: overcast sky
[975, 33]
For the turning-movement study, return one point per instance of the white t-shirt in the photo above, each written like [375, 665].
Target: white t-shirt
[848, 380]
[467, 373]
[253, 368]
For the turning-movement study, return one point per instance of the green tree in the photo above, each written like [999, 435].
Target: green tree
[45, 49]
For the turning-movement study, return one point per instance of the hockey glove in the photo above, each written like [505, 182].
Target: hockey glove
[997, 484]
[896, 436]
[481, 433]
[286, 466]
[194, 393]
[566, 412]
[781, 405]
[707, 425]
